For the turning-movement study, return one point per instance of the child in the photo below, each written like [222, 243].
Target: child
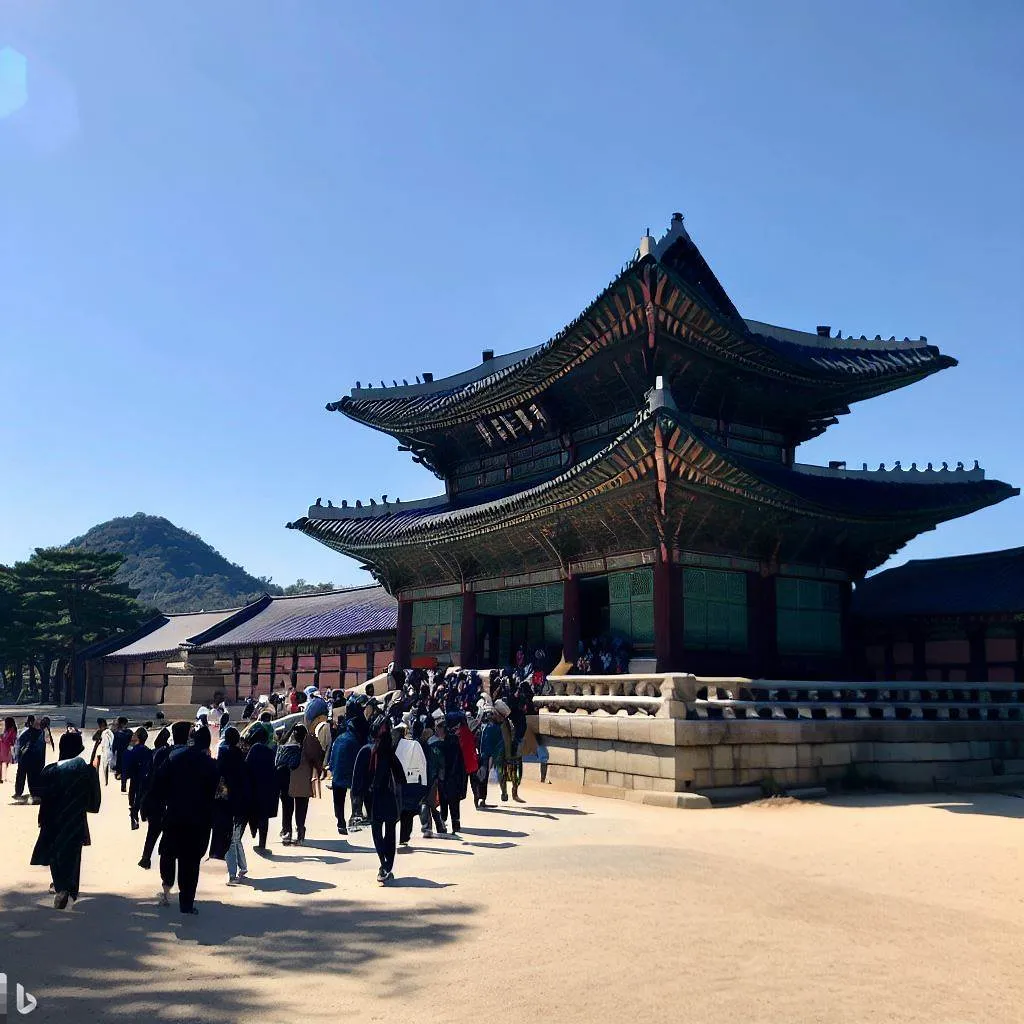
[136, 764]
[543, 756]
[8, 738]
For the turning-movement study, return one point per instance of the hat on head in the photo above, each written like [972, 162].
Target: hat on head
[437, 715]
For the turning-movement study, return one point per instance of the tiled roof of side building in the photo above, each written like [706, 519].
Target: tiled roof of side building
[991, 583]
[175, 631]
[354, 611]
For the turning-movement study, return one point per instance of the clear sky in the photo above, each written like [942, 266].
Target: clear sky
[217, 215]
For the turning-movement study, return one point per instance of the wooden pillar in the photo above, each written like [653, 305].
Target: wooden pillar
[663, 601]
[124, 683]
[570, 618]
[979, 662]
[849, 657]
[917, 637]
[316, 668]
[762, 627]
[403, 642]
[467, 642]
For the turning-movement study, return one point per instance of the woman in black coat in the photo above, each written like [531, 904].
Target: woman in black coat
[231, 806]
[452, 787]
[263, 784]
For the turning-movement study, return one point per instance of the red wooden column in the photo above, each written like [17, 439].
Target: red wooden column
[663, 605]
[570, 618]
[403, 642]
[467, 642]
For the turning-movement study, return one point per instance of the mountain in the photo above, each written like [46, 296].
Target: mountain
[174, 570]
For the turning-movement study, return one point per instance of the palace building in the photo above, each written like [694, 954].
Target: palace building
[635, 478]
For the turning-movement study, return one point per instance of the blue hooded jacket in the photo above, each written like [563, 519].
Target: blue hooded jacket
[343, 758]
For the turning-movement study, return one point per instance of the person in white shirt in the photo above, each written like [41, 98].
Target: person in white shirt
[414, 763]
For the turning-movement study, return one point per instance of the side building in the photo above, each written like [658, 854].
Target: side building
[951, 620]
[333, 640]
[635, 478]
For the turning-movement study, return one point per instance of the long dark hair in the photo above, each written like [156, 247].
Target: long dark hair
[382, 752]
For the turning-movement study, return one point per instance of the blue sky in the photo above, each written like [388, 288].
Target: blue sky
[217, 216]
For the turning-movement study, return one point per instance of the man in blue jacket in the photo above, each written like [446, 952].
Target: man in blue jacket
[342, 760]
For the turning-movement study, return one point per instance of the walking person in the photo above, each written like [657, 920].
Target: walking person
[456, 779]
[149, 808]
[103, 749]
[377, 777]
[342, 760]
[434, 755]
[122, 737]
[231, 806]
[69, 791]
[414, 785]
[136, 765]
[31, 749]
[265, 792]
[185, 787]
[296, 794]
[492, 747]
[8, 743]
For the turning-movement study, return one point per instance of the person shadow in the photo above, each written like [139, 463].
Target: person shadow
[289, 883]
[414, 882]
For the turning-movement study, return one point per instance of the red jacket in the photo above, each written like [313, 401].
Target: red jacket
[468, 748]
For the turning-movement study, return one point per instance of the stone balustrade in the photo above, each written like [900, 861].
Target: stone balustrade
[663, 696]
[723, 698]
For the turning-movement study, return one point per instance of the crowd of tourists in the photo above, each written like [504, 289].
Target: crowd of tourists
[414, 755]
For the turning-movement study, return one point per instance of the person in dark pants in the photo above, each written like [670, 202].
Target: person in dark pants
[122, 739]
[259, 762]
[343, 758]
[136, 764]
[456, 779]
[378, 777]
[31, 759]
[185, 787]
[149, 809]
[69, 791]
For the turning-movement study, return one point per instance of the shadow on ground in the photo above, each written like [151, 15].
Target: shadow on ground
[101, 960]
[1004, 805]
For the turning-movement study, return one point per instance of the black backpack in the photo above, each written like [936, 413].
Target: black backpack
[289, 756]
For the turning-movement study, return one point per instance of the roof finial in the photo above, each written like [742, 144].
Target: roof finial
[677, 218]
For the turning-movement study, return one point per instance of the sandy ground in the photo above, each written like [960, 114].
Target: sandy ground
[568, 909]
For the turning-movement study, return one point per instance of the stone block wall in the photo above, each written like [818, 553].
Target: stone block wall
[677, 755]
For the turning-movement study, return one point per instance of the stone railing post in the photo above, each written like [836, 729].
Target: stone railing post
[676, 692]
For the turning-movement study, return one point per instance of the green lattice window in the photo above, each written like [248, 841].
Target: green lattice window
[631, 605]
[809, 617]
[436, 626]
[714, 610]
[520, 601]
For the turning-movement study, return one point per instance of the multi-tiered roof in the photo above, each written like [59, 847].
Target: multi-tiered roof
[658, 418]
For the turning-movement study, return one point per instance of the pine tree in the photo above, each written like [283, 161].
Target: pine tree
[69, 598]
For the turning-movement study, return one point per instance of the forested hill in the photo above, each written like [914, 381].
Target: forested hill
[174, 570]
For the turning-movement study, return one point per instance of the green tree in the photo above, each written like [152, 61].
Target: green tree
[69, 599]
[300, 587]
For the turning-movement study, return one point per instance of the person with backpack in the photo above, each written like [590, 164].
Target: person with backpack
[377, 778]
[298, 762]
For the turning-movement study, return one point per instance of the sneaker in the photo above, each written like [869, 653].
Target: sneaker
[145, 863]
[389, 877]
[342, 831]
[286, 839]
[232, 880]
[243, 873]
[19, 799]
[382, 876]
[163, 898]
[60, 900]
[135, 826]
[35, 800]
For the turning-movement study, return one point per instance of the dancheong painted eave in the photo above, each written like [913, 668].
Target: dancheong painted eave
[665, 296]
[884, 513]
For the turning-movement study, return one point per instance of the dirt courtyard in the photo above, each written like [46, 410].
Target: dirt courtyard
[568, 909]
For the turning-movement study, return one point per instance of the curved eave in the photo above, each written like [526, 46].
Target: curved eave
[694, 459]
[620, 314]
